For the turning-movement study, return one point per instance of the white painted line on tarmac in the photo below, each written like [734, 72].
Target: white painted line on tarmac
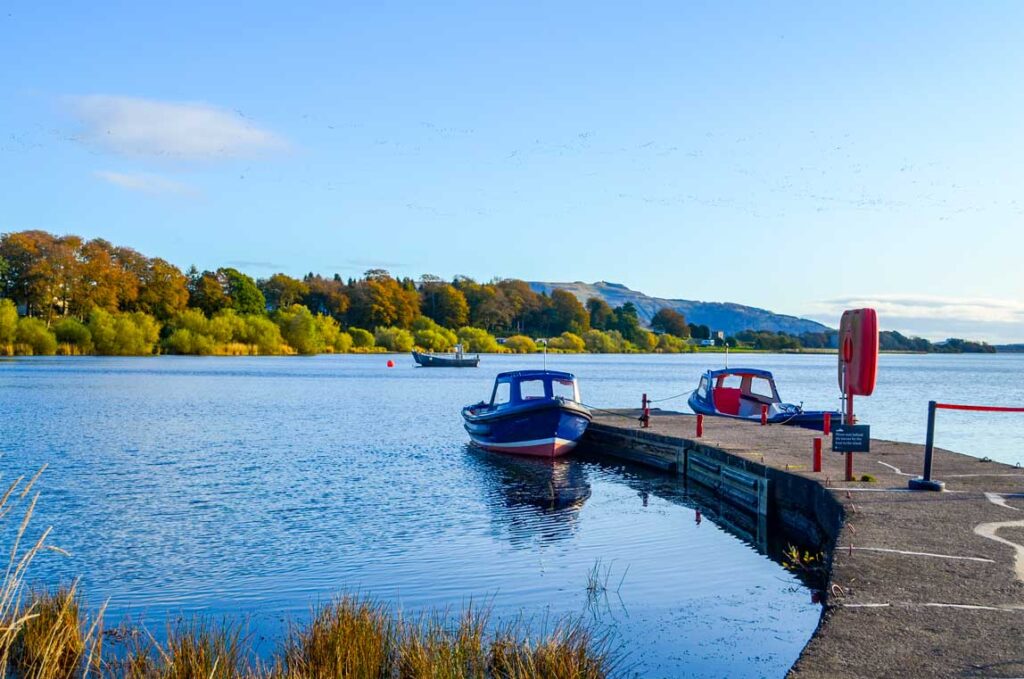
[894, 468]
[990, 530]
[910, 604]
[937, 556]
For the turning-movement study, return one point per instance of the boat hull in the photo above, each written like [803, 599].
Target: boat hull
[435, 361]
[808, 419]
[548, 429]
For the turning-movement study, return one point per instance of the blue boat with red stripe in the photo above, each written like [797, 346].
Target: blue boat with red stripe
[531, 412]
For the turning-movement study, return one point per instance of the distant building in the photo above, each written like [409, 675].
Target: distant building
[718, 335]
[707, 343]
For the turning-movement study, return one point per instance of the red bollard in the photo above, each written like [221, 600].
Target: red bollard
[817, 454]
[827, 429]
[700, 425]
[849, 466]
[645, 418]
[764, 415]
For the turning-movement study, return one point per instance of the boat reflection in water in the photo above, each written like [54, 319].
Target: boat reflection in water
[531, 499]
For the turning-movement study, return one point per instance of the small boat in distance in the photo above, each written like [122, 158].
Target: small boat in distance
[740, 393]
[531, 412]
[453, 360]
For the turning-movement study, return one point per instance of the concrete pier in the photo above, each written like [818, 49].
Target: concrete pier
[919, 584]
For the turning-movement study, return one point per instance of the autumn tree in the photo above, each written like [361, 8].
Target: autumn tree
[163, 290]
[627, 322]
[326, 296]
[443, 302]
[206, 293]
[601, 315]
[569, 315]
[281, 290]
[378, 300]
[670, 321]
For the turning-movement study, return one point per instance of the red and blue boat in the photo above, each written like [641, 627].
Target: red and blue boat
[531, 412]
[742, 393]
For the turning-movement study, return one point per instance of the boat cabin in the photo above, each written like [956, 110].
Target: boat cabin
[523, 386]
[738, 392]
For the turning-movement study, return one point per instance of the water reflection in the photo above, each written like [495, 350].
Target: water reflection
[531, 499]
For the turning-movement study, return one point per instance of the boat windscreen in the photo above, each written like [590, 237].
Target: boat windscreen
[762, 387]
[565, 389]
[502, 394]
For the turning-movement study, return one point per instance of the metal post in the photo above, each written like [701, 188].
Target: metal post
[700, 425]
[817, 453]
[764, 415]
[645, 418]
[827, 428]
[849, 466]
[929, 442]
[925, 482]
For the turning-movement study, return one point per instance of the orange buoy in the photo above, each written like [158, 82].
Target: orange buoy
[391, 364]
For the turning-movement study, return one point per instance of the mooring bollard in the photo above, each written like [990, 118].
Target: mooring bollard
[817, 454]
[645, 418]
[700, 425]
[827, 429]
[764, 415]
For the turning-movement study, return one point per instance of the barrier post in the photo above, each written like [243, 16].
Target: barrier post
[817, 453]
[827, 429]
[764, 415]
[645, 419]
[700, 425]
[925, 481]
[849, 466]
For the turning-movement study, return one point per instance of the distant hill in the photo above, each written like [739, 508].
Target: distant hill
[731, 318]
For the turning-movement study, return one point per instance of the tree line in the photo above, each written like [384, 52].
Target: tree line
[69, 295]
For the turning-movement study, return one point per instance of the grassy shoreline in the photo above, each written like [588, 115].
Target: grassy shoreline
[48, 634]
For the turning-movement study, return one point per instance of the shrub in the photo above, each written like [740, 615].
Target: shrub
[334, 339]
[262, 334]
[394, 339]
[127, 334]
[431, 336]
[8, 321]
[478, 340]
[670, 344]
[226, 326]
[520, 344]
[34, 338]
[185, 341]
[299, 329]
[361, 339]
[568, 342]
[599, 342]
[73, 333]
[646, 341]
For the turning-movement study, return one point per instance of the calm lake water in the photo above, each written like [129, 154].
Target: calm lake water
[255, 487]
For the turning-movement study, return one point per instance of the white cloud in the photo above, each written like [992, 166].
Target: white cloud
[936, 317]
[146, 183]
[180, 130]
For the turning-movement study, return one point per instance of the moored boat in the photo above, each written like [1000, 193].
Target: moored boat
[742, 393]
[531, 412]
[458, 359]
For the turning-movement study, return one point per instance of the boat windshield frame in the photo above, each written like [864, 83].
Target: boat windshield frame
[548, 381]
[717, 381]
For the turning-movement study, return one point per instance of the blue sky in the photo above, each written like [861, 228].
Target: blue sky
[793, 156]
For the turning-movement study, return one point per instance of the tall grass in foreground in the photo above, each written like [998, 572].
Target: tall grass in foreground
[47, 635]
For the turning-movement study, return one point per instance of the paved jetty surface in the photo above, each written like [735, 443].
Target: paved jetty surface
[923, 584]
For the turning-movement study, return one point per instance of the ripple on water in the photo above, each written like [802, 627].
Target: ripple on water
[257, 487]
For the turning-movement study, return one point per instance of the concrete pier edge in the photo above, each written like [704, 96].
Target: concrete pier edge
[919, 584]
